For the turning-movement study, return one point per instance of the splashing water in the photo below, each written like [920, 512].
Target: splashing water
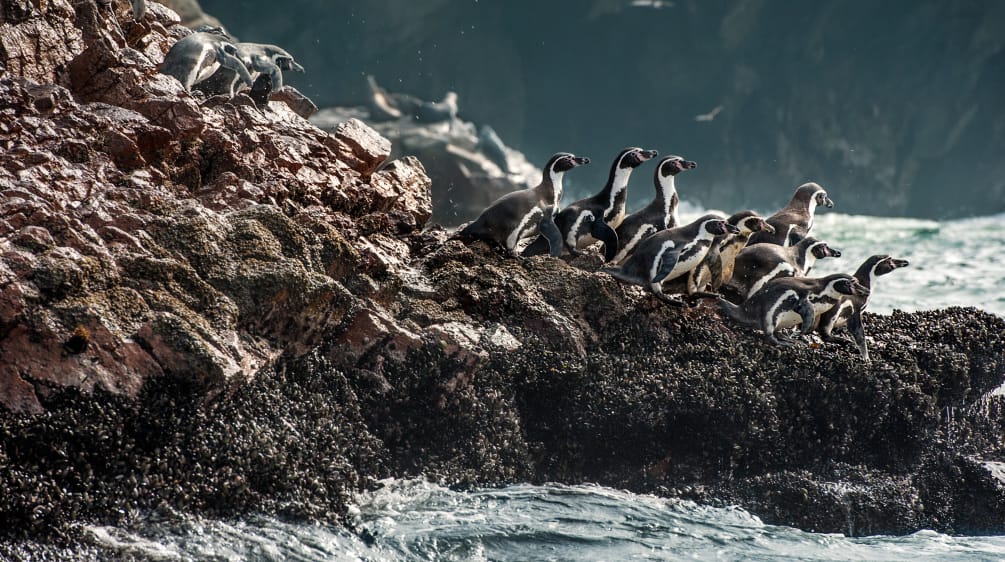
[417, 520]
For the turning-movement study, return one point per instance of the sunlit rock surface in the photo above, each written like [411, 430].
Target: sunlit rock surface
[206, 307]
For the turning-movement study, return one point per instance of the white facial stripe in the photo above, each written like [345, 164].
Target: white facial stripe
[655, 267]
[669, 188]
[769, 318]
[518, 233]
[831, 291]
[556, 182]
[810, 258]
[813, 206]
[776, 272]
[570, 238]
[200, 61]
[746, 225]
[621, 176]
[630, 245]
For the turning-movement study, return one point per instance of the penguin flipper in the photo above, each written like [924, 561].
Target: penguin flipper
[603, 232]
[805, 310]
[538, 247]
[226, 55]
[667, 263]
[549, 230]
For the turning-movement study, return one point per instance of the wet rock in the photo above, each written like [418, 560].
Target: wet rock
[271, 324]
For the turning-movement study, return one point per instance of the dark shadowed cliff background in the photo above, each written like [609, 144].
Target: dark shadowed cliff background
[897, 107]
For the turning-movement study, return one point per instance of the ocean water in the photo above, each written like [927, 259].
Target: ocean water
[952, 263]
[415, 520]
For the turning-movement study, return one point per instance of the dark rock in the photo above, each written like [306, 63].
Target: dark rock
[222, 310]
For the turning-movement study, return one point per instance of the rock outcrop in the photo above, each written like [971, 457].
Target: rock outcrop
[210, 307]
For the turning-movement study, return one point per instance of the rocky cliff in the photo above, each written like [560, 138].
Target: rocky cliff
[215, 308]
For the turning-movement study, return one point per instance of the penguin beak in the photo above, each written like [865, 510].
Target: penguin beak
[900, 263]
[296, 67]
[860, 289]
[690, 164]
[765, 227]
[580, 160]
[649, 154]
[833, 252]
[730, 229]
[827, 201]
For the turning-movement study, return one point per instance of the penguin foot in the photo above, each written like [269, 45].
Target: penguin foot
[671, 300]
[780, 342]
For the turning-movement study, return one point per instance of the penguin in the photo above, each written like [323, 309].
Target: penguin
[849, 311]
[757, 264]
[794, 222]
[595, 218]
[791, 301]
[258, 58]
[196, 57]
[670, 254]
[717, 267]
[526, 212]
[660, 214]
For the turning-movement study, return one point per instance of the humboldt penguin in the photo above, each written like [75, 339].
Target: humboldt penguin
[849, 311]
[671, 254]
[526, 212]
[196, 57]
[794, 222]
[660, 214]
[791, 301]
[595, 218]
[717, 267]
[258, 58]
[757, 264]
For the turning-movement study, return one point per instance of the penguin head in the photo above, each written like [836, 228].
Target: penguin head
[886, 264]
[718, 227]
[848, 285]
[564, 161]
[812, 192]
[673, 165]
[821, 250]
[749, 222]
[633, 157]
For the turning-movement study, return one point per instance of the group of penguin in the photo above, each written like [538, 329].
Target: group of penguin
[757, 268]
[211, 61]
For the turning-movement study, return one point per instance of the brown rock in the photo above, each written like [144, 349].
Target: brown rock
[361, 147]
[297, 102]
